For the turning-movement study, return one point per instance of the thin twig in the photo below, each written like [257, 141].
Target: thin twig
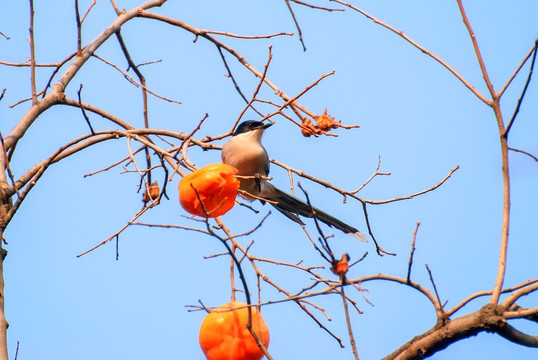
[410, 263]
[315, 6]
[380, 251]
[260, 83]
[524, 152]
[142, 177]
[114, 164]
[523, 62]
[32, 54]
[135, 217]
[230, 75]
[520, 100]
[134, 82]
[378, 202]
[84, 111]
[294, 99]
[296, 23]
[376, 173]
[485, 293]
[58, 67]
[323, 239]
[477, 51]
[24, 100]
[142, 80]
[79, 29]
[352, 193]
[17, 350]
[88, 11]
[440, 309]
[348, 320]
[421, 48]
[245, 36]
[29, 64]
[220, 45]
[57, 93]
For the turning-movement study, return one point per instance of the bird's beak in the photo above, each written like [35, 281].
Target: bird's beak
[266, 125]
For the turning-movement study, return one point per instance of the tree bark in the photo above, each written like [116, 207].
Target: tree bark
[5, 206]
[447, 332]
[3, 321]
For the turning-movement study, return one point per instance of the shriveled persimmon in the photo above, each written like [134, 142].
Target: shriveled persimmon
[341, 266]
[224, 334]
[209, 191]
[326, 122]
[151, 193]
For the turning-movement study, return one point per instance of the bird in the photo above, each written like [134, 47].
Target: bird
[245, 152]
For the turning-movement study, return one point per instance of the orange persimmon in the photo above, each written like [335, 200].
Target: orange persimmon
[216, 187]
[224, 334]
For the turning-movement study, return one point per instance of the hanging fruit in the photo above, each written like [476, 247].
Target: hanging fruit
[213, 186]
[224, 334]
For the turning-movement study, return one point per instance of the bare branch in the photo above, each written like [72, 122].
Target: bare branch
[523, 62]
[376, 173]
[84, 111]
[445, 333]
[224, 33]
[219, 44]
[519, 293]
[260, 83]
[134, 82]
[315, 7]
[144, 93]
[230, 74]
[4, 163]
[58, 90]
[353, 193]
[421, 48]
[518, 312]
[477, 51]
[524, 152]
[410, 262]
[486, 293]
[88, 11]
[32, 54]
[439, 310]
[117, 234]
[378, 202]
[28, 64]
[512, 334]
[520, 100]
[348, 320]
[296, 23]
[79, 29]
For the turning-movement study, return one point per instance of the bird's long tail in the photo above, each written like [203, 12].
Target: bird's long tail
[292, 207]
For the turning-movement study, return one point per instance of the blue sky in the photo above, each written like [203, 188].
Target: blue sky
[412, 113]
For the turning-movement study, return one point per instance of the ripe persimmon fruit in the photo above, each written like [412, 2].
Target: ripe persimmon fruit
[214, 185]
[224, 334]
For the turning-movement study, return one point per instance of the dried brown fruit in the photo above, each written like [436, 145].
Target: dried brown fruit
[326, 122]
[151, 193]
[340, 267]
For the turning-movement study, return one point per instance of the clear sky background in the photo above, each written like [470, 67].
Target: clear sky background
[412, 113]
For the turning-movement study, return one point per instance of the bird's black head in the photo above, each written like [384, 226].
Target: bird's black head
[251, 125]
